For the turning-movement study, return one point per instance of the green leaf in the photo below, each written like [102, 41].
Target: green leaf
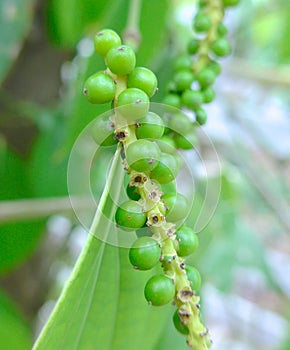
[15, 20]
[14, 332]
[102, 305]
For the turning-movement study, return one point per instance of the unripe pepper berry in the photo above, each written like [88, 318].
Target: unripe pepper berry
[143, 155]
[183, 329]
[150, 127]
[144, 253]
[105, 40]
[99, 88]
[193, 276]
[187, 241]
[130, 215]
[221, 47]
[133, 104]
[159, 290]
[121, 60]
[143, 79]
[166, 170]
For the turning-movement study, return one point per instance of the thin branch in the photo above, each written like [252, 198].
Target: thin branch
[132, 34]
[277, 75]
[25, 209]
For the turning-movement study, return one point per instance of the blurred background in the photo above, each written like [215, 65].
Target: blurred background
[244, 257]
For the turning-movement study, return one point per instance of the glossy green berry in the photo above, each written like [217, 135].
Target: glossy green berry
[172, 100]
[133, 104]
[143, 79]
[144, 253]
[130, 215]
[133, 192]
[230, 2]
[206, 77]
[180, 123]
[105, 40]
[201, 22]
[99, 88]
[159, 290]
[186, 141]
[167, 144]
[180, 327]
[177, 206]
[182, 62]
[150, 127]
[121, 60]
[222, 29]
[183, 79]
[208, 95]
[166, 170]
[193, 46]
[103, 131]
[142, 155]
[193, 276]
[201, 116]
[215, 67]
[192, 99]
[221, 47]
[170, 187]
[187, 241]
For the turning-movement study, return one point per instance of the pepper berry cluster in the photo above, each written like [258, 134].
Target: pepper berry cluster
[154, 209]
[196, 71]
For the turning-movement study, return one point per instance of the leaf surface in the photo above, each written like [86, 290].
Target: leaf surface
[14, 332]
[102, 305]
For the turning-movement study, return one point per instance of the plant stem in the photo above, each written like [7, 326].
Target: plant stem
[132, 35]
[27, 209]
[164, 233]
[214, 10]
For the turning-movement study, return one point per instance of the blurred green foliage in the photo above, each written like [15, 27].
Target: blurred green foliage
[15, 21]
